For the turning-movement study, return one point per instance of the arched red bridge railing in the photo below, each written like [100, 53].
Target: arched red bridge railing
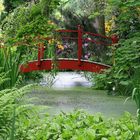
[70, 63]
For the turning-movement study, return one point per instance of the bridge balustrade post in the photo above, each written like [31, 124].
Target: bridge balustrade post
[40, 52]
[80, 32]
[114, 39]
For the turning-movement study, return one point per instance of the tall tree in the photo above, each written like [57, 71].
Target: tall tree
[91, 11]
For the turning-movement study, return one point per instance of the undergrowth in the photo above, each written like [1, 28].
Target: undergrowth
[79, 125]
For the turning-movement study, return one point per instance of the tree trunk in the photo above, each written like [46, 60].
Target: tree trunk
[99, 24]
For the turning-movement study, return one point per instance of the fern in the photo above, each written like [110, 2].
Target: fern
[11, 103]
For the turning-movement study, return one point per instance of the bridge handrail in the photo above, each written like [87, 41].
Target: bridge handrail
[93, 34]
[96, 42]
[113, 39]
[63, 30]
[80, 38]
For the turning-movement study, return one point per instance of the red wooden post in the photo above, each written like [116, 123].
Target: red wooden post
[79, 44]
[40, 53]
[115, 39]
[39, 57]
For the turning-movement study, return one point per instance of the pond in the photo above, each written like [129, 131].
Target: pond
[71, 91]
[92, 101]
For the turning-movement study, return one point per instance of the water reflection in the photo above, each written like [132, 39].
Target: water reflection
[65, 97]
[65, 80]
[80, 98]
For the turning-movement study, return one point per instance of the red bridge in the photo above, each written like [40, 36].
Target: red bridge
[66, 63]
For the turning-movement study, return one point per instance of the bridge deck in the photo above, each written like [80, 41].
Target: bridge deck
[63, 64]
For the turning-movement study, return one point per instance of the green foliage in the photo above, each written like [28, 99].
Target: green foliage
[9, 71]
[127, 55]
[120, 76]
[11, 111]
[127, 60]
[136, 98]
[79, 125]
[136, 91]
[127, 16]
[26, 23]
[3, 76]
[12, 4]
[85, 8]
[49, 6]
[35, 76]
[12, 108]
[25, 28]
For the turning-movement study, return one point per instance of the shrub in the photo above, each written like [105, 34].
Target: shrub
[79, 125]
[12, 111]
[121, 74]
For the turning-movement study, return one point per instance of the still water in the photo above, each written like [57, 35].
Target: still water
[72, 91]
